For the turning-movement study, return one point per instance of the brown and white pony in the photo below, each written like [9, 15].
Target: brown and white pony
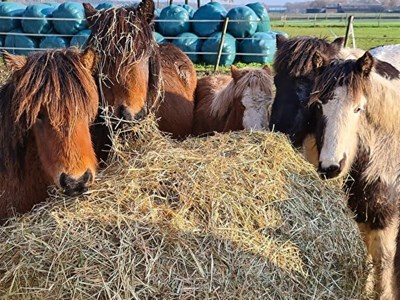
[46, 108]
[137, 75]
[297, 63]
[357, 110]
[227, 103]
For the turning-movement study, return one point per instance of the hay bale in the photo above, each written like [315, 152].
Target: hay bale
[234, 216]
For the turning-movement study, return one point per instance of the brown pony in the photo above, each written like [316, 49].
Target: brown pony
[136, 75]
[240, 101]
[46, 107]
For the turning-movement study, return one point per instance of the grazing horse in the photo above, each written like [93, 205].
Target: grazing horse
[46, 108]
[297, 63]
[240, 101]
[357, 113]
[135, 74]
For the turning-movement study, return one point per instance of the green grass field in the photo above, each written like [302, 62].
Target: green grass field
[368, 33]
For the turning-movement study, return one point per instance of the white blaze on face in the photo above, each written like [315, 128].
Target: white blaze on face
[342, 116]
[256, 103]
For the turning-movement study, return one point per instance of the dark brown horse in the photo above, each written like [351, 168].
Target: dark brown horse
[240, 101]
[46, 107]
[136, 75]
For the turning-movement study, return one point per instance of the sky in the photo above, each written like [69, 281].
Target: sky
[268, 2]
[277, 2]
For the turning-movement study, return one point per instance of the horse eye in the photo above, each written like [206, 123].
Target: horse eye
[358, 109]
[40, 116]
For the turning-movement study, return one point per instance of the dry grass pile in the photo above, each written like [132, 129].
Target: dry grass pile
[234, 216]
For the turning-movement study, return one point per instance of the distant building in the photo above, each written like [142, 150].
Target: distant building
[277, 9]
[315, 10]
[372, 8]
[338, 8]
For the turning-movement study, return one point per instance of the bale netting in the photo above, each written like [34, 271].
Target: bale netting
[233, 216]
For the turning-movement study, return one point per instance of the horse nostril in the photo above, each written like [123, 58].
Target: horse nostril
[329, 172]
[87, 177]
[123, 113]
[141, 114]
[73, 187]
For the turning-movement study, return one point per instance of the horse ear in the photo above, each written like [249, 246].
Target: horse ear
[280, 39]
[88, 59]
[337, 44]
[14, 62]
[235, 72]
[365, 63]
[267, 69]
[317, 60]
[90, 11]
[147, 7]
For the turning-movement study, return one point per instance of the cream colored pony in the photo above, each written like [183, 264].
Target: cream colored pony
[358, 132]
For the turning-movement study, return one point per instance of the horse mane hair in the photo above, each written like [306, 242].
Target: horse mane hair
[383, 107]
[43, 83]
[295, 56]
[252, 78]
[340, 72]
[122, 37]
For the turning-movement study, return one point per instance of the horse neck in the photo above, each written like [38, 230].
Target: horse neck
[383, 152]
[23, 189]
[223, 99]
[383, 104]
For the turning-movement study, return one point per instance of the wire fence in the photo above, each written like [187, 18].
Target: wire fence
[280, 21]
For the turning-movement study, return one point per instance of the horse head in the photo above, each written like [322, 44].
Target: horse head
[297, 63]
[51, 99]
[123, 39]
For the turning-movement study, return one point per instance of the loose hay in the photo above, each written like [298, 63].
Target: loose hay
[234, 216]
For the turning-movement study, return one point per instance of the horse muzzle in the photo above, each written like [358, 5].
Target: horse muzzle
[75, 187]
[125, 114]
[332, 170]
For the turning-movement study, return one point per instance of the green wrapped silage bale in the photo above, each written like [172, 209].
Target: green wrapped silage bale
[53, 42]
[8, 12]
[81, 38]
[212, 45]
[189, 42]
[173, 12]
[243, 21]
[43, 25]
[73, 11]
[215, 13]
[20, 41]
[264, 24]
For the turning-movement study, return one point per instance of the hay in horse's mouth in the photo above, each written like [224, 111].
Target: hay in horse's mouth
[237, 215]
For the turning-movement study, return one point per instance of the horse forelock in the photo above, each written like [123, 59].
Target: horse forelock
[255, 79]
[295, 56]
[54, 81]
[252, 78]
[122, 37]
[338, 73]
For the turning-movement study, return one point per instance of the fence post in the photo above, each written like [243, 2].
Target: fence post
[221, 43]
[198, 3]
[349, 28]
